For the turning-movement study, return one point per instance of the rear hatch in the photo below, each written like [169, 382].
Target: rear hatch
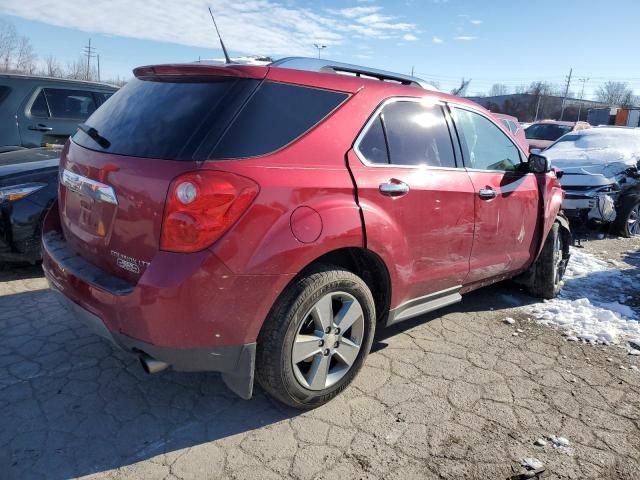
[118, 167]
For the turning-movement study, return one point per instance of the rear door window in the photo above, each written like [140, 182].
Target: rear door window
[39, 106]
[417, 134]
[373, 146]
[67, 103]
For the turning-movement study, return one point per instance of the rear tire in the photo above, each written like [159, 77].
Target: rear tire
[627, 222]
[551, 265]
[303, 358]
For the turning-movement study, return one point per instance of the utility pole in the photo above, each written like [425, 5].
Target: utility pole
[566, 92]
[538, 107]
[412, 70]
[98, 67]
[320, 47]
[89, 52]
[584, 81]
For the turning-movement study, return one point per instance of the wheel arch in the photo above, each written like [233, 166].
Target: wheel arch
[362, 262]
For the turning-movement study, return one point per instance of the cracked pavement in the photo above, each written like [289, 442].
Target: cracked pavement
[453, 394]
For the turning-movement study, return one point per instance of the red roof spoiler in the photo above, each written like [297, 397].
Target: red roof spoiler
[201, 69]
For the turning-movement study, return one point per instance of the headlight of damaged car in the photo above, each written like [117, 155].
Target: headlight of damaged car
[613, 188]
[16, 192]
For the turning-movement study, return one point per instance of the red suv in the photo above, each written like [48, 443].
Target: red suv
[217, 218]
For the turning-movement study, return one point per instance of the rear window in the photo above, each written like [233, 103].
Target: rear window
[200, 119]
[546, 131]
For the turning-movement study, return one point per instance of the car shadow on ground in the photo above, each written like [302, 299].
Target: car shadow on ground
[10, 272]
[500, 296]
[74, 405]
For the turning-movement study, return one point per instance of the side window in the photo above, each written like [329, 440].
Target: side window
[484, 145]
[39, 107]
[373, 145]
[276, 115]
[417, 134]
[77, 104]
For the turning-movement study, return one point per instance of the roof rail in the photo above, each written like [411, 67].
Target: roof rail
[329, 66]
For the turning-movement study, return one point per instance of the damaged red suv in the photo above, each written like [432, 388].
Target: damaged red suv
[264, 221]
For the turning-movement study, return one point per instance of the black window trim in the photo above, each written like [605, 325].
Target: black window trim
[376, 113]
[468, 108]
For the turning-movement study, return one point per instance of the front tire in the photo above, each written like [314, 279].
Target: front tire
[551, 265]
[316, 338]
[627, 222]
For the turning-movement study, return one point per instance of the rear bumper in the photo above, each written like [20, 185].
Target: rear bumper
[187, 310]
[236, 363]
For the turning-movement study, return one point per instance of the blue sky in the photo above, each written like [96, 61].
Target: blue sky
[512, 42]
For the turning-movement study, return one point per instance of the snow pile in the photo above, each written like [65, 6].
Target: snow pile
[584, 310]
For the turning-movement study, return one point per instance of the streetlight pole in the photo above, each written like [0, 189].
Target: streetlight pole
[320, 47]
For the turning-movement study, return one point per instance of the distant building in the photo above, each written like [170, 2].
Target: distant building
[525, 106]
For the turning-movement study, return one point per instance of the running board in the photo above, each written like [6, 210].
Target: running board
[419, 306]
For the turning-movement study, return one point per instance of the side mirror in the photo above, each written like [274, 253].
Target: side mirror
[535, 151]
[538, 164]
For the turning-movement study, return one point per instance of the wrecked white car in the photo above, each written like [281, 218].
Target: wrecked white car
[601, 176]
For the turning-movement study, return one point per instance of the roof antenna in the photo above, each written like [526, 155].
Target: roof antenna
[224, 49]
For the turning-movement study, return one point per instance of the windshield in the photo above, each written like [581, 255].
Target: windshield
[546, 131]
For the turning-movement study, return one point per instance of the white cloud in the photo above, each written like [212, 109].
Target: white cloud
[248, 27]
[355, 12]
[409, 37]
[476, 22]
[465, 38]
[437, 40]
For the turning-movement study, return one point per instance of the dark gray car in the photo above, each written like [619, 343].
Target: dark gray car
[36, 111]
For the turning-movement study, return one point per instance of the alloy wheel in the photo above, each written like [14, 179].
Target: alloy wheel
[328, 341]
[633, 221]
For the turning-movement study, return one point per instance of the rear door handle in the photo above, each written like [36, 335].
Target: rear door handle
[394, 189]
[41, 127]
[487, 193]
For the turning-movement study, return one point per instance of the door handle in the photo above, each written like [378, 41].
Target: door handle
[394, 189]
[40, 128]
[487, 193]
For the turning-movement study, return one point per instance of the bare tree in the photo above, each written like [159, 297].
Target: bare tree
[615, 94]
[16, 51]
[462, 89]
[25, 60]
[8, 44]
[77, 70]
[520, 89]
[53, 67]
[498, 89]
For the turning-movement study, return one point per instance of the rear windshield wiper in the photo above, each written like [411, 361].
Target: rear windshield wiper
[93, 133]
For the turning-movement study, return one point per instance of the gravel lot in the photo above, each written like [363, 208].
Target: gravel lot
[453, 394]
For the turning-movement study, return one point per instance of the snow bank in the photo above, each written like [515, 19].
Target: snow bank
[584, 309]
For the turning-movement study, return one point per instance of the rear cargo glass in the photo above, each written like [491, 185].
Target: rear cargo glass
[200, 119]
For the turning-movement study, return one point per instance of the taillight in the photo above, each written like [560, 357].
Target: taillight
[200, 208]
